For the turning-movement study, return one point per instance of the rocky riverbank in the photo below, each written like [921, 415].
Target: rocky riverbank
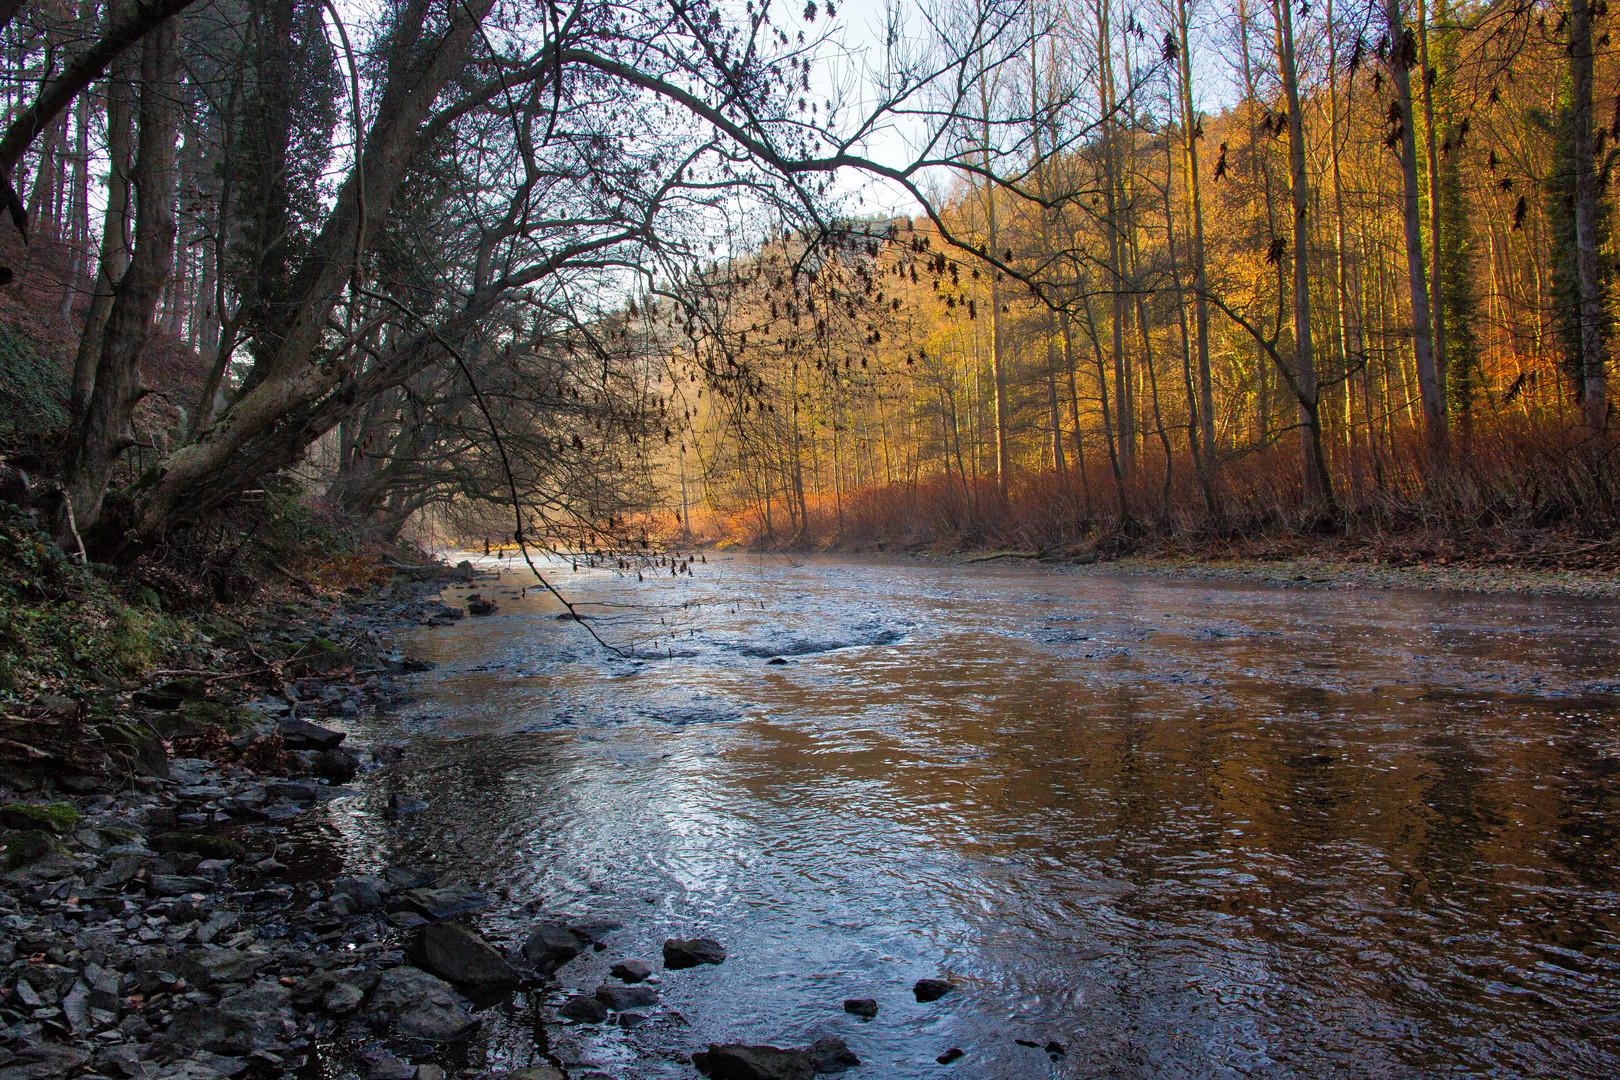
[150, 926]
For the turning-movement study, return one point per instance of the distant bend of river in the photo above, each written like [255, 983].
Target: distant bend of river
[1185, 829]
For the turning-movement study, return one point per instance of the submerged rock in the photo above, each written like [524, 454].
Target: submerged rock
[862, 1007]
[620, 998]
[462, 957]
[950, 1055]
[735, 1061]
[684, 953]
[931, 989]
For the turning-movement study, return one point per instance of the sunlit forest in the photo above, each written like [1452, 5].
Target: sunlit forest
[1187, 271]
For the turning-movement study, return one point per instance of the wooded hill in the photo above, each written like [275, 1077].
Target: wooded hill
[1190, 270]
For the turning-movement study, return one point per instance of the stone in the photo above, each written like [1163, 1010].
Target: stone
[594, 930]
[446, 903]
[460, 956]
[536, 1072]
[296, 790]
[685, 953]
[631, 971]
[176, 885]
[862, 1007]
[831, 1056]
[481, 607]
[734, 1061]
[421, 1006]
[54, 817]
[342, 999]
[410, 877]
[338, 765]
[550, 946]
[303, 735]
[251, 1020]
[366, 892]
[931, 989]
[620, 998]
[391, 1068]
[586, 1010]
[950, 1055]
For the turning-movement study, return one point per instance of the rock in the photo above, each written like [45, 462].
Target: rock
[629, 1020]
[620, 998]
[366, 892]
[684, 953]
[950, 1055]
[303, 735]
[776, 660]
[931, 989]
[863, 1007]
[391, 1068]
[420, 1006]
[460, 956]
[176, 885]
[446, 903]
[831, 1056]
[296, 790]
[535, 1072]
[586, 1010]
[1056, 1049]
[342, 999]
[37, 1060]
[594, 930]
[54, 817]
[250, 1020]
[550, 946]
[631, 971]
[410, 877]
[481, 607]
[429, 1072]
[400, 806]
[338, 765]
[734, 1061]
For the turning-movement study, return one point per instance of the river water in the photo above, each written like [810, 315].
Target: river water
[1184, 829]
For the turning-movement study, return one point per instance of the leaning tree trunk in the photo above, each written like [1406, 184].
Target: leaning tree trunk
[105, 431]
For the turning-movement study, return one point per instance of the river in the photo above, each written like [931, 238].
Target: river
[1183, 829]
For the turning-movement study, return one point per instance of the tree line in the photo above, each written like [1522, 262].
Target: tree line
[1208, 266]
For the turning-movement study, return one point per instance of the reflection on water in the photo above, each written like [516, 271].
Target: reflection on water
[1185, 829]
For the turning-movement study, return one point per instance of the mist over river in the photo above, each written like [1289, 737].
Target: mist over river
[1183, 829]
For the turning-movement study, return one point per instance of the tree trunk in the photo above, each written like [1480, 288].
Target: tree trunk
[1402, 53]
[105, 432]
[114, 233]
[1594, 383]
[1191, 127]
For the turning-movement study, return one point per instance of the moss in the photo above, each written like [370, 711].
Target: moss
[116, 836]
[198, 711]
[209, 847]
[28, 846]
[57, 817]
[32, 386]
[146, 598]
[321, 656]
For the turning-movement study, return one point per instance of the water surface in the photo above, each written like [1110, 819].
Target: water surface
[1185, 829]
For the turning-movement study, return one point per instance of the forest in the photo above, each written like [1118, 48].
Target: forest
[594, 273]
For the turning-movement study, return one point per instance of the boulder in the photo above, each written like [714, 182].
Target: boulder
[253, 1019]
[684, 953]
[446, 903]
[303, 735]
[421, 1006]
[831, 1056]
[734, 1061]
[551, 945]
[338, 765]
[931, 989]
[862, 1007]
[460, 956]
